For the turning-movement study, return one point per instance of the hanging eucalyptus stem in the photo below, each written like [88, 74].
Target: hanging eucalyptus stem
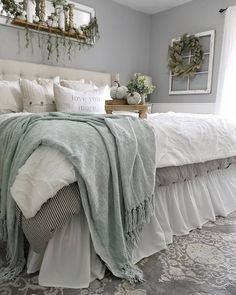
[57, 48]
[82, 37]
[69, 49]
[31, 36]
[27, 38]
[39, 40]
[18, 41]
[49, 46]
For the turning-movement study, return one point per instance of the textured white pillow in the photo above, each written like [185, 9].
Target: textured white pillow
[72, 101]
[79, 85]
[10, 96]
[38, 95]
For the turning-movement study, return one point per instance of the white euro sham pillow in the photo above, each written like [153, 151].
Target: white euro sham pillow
[38, 95]
[79, 85]
[72, 101]
[10, 97]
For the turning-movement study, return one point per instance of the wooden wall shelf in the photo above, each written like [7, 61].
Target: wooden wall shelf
[46, 29]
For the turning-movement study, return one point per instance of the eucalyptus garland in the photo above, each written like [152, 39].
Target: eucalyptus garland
[91, 31]
[177, 63]
[13, 8]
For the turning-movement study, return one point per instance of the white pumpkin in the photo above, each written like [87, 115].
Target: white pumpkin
[49, 22]
[35, 19]
[134, 98]
[119, 92]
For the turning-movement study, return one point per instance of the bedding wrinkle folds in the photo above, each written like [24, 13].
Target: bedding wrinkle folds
[181, 139]
[43, 175]
[104, 189]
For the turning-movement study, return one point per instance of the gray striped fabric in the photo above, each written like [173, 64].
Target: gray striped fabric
[58, 210]
[171, 175]
[53, 215]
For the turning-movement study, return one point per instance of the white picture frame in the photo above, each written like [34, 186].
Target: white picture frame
[207, 90]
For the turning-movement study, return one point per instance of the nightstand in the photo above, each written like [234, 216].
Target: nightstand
[121, 105]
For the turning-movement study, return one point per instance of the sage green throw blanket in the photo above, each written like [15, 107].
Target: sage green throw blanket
[114, 159]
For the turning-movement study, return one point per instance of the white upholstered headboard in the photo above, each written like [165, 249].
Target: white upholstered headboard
[13, 70]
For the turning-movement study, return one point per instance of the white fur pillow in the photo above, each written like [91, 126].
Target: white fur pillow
[72, 101]
[79, 85]
[10, 97]
[38, 95]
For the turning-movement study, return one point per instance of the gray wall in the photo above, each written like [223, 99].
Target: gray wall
[132, 42]
[123, 46]
[193, 17]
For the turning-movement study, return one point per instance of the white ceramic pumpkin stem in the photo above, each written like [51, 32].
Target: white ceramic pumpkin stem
[118, 83]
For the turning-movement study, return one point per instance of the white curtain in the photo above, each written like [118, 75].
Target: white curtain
[226, 93]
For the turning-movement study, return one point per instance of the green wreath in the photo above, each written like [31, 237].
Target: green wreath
[187, 43]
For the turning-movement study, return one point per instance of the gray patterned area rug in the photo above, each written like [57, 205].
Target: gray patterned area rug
[202, 263]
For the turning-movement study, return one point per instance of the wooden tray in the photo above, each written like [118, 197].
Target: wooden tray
[121, 105]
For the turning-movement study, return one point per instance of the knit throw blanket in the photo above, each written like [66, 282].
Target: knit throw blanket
[114, 159]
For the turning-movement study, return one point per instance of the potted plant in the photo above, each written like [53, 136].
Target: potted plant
[140, 84]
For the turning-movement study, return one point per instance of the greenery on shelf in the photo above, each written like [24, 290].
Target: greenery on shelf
[91, 31]
[179, 65]
[82, 38]
[58, 3]
[13, 9]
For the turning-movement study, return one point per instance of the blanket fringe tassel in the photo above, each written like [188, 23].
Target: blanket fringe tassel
[3, 230]
[136, 218]
[9, 273]
[132, 274]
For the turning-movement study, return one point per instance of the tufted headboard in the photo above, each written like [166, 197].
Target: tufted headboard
[13, 70]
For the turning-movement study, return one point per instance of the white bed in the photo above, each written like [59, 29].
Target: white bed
[179, 207]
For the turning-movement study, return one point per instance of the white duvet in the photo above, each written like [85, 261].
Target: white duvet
[181, 139]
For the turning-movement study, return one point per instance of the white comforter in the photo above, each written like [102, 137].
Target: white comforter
[181, 139]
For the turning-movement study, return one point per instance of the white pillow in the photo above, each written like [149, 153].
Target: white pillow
[10, 96]
[38, 95]
[72, 101]
[79, 85]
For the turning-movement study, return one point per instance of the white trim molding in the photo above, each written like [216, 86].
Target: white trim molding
[198, 108]
[209, 71]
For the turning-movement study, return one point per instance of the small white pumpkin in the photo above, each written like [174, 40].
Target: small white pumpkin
[135, 98]
[35, 19]
[119, 92]
[49, 22]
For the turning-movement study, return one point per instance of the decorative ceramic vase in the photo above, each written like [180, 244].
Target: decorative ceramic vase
[143, 98]
[24, 5]
[30, 10]
[37, 8]
[66, 16]
[71, 18]
[42, 11]
[61, 21]
[55, 19]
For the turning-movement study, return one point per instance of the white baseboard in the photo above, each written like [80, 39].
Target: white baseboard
[200, 108]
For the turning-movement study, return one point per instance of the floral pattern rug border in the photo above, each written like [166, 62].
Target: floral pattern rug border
[201, 263]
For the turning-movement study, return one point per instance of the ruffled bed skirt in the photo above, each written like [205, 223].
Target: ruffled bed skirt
[69, 259]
